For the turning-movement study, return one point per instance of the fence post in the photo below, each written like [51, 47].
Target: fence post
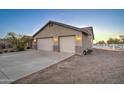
[123, 46]
[113, 46]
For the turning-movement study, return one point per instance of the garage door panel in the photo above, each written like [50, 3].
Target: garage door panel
[45, 44]
[67, 44]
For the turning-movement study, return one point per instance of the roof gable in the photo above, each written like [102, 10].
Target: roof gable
[83, 30]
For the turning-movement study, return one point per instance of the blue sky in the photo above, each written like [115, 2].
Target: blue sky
[106, 23]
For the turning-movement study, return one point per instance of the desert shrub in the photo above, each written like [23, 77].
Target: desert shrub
[19, 42]
[1, 51]
[5, 50]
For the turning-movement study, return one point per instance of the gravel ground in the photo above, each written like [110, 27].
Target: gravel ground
[100, 67]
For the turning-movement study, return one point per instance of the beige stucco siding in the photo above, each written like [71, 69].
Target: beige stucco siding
[56, 30]
[84, 42]
[87, 42]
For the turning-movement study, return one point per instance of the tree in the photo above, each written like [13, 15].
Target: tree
[12, 39]
[110, 41]
[116, 41]
[17, 41]
[101, 42]
[113, 41]
[122, 38]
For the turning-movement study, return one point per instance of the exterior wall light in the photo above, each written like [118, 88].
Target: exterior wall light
[55, 39]
[78, 38]
[34, 40]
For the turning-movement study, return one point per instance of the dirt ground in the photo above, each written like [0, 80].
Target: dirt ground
[100, 67]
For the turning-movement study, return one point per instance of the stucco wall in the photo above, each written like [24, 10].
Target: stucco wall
[56, 30]
[87, 42]
[84, 41]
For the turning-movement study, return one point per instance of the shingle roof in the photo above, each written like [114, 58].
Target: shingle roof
[86, 30]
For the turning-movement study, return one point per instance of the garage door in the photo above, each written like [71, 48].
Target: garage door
[45, 44]
[67, 44]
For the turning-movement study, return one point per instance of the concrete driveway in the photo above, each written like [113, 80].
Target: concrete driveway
[14, 66]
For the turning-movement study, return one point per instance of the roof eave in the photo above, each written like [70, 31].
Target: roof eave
[61, 24]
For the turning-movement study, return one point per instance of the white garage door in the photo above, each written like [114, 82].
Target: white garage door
[45, 44]
[67, 44]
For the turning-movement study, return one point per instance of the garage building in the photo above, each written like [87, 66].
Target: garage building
[60, 37]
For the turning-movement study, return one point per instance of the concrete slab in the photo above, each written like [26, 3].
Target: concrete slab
[3, 78]
[17, 65]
